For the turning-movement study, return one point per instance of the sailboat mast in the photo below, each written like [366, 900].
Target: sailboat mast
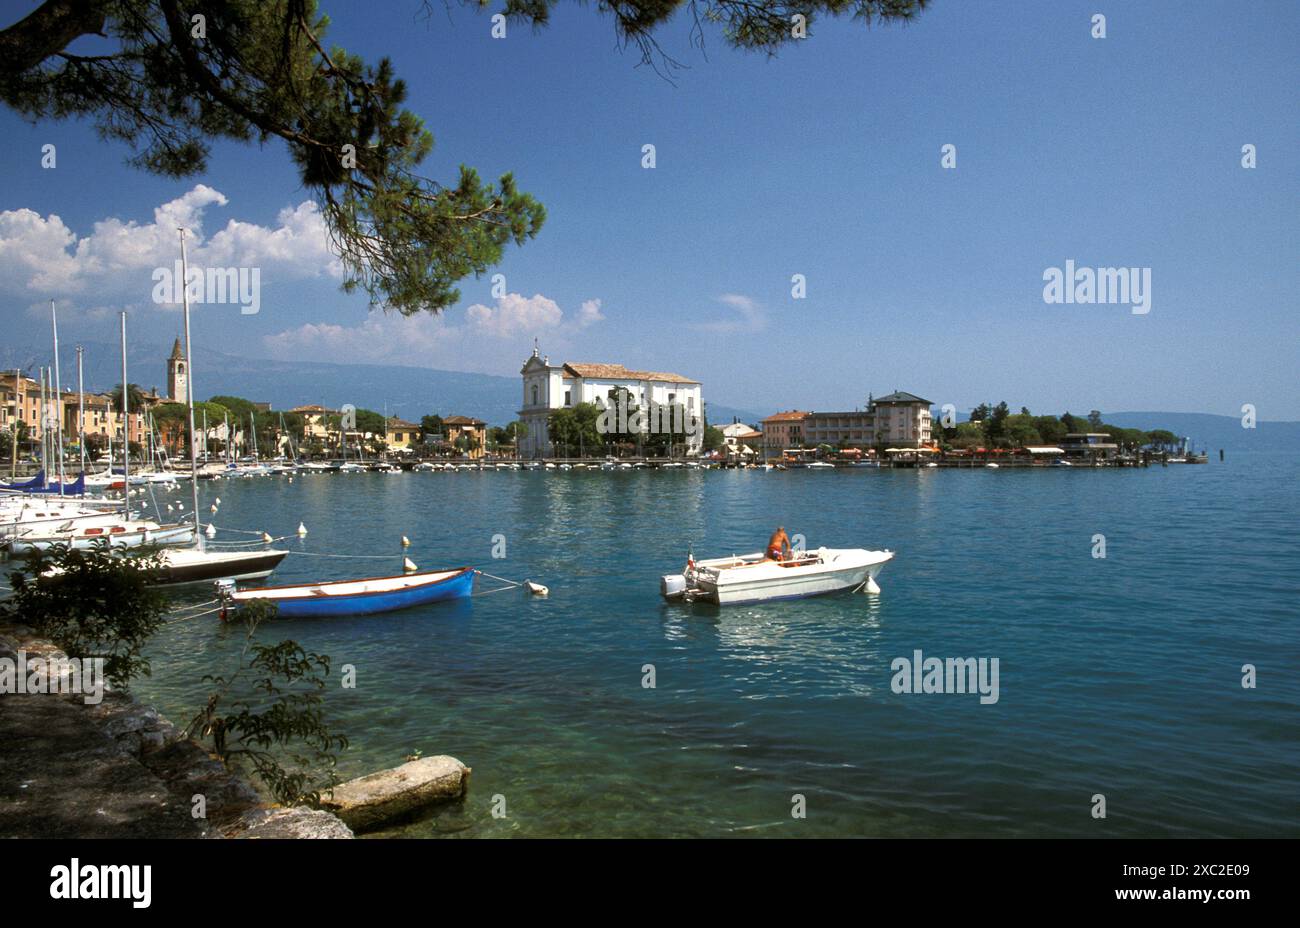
[18, 415]
[126, 430]
[58, 395]
[189, 393]
[81, 412]
[43, 418]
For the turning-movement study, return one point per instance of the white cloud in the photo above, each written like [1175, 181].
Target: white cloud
[748, 316]
[589, 314]
[379, 339]
[479, 343]
[515, 315]
[41, 256]
[35, 250]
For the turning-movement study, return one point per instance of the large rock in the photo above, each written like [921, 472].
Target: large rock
[375, 800]
[288, 823]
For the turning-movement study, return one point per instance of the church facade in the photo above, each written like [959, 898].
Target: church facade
[548, 387]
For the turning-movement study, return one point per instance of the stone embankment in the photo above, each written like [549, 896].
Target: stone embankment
[119, 769]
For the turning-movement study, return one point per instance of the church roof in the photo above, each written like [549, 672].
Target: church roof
[176, 352]
[619, 372]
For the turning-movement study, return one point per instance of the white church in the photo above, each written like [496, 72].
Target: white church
[548, 387]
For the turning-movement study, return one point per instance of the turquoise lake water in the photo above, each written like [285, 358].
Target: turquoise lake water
[1118, 676]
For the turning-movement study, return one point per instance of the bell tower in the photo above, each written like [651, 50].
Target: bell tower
[178, 375]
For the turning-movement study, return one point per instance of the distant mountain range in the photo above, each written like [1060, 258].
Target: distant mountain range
[1213, 432]
[408, 392]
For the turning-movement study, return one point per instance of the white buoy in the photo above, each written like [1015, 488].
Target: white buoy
[210, 531]
[871, 586]
[302, 530]
[406, 542]
[217, 501]
[536, 588]
[408, 564]
[267, 538]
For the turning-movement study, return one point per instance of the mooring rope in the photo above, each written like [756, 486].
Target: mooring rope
[484, 573]
[210, 602]
[500, 589]
[365, 557]
[184, 614]
[532, 587]
[197, 615]
[251, 544]
[238, 531]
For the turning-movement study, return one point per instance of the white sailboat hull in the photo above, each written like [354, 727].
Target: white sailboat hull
[134, 535]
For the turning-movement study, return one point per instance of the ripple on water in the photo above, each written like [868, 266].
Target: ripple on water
[1118, 676]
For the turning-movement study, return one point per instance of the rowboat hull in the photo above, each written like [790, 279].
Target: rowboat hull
[363, 597]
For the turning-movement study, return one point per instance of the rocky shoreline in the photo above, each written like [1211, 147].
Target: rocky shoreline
[120, 769]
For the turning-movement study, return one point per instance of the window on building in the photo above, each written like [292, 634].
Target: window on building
[568, 397]
[534, 394]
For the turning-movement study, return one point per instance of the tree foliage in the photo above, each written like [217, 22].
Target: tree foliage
[996, 427]
[756, 25]
[574, 431]
[431, 426]
[92, 603]
[169, 77]
[134, 397]
[268, 715]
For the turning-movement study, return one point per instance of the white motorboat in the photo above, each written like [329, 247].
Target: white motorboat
[754, 578]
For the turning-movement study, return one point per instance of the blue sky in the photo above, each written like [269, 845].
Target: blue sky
[824, 161]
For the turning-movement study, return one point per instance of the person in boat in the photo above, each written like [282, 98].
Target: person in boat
[778, 546]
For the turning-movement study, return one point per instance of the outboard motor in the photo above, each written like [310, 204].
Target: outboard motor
[672, 586]
[224, 587]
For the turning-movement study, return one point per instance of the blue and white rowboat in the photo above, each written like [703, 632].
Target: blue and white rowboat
[365, 596]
